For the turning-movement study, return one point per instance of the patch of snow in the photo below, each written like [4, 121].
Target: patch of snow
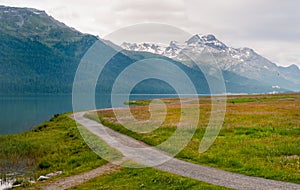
[276, 87]
[37, 13]
[236, 56]
[274, 92]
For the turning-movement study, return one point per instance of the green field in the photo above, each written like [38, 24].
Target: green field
[260, 136]
[57, 145]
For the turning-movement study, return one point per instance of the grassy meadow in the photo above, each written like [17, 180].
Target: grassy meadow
[57, 145]
[53, 146]
[260, 136]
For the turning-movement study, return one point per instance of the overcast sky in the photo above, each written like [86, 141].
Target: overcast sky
[270, 27]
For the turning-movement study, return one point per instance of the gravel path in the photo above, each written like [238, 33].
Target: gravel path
[72, 181]
[149, 156]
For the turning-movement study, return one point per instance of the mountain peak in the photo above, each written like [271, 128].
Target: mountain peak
[292, 67]
[194, 39]
[21, 11]
[174, 45]
[33, 24]
[202, 38]
[206, 40]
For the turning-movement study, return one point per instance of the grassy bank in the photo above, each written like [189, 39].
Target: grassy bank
[260, 136]
[55, 145]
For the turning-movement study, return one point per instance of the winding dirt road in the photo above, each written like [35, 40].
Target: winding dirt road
[149, 156]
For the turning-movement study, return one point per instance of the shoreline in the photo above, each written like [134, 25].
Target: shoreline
[228, 96]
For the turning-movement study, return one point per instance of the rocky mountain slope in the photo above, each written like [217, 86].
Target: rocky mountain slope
[206, 49]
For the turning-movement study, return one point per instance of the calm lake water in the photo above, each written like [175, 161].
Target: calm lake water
[22, 113]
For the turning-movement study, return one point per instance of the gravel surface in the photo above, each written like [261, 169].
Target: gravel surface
[72, 181]
[144, 154]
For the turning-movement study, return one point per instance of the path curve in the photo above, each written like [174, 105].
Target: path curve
[146, 155]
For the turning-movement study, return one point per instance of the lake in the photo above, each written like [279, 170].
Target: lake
[22, 113]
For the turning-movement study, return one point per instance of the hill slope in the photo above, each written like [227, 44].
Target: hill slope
[38, 54]
[41, 55]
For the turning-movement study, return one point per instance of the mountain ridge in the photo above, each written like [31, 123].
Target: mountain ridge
[41, 55]
[242, 61]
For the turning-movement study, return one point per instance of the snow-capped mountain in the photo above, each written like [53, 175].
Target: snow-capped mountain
[148, 47]
[206, 40]
[204, 50]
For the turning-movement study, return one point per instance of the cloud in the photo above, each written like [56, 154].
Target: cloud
[130, 12]
[255, 19]
[148, 6]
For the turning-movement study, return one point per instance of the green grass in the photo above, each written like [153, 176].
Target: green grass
[257, 98]
[260, 136]
[138, 103]
[144, 178]
[53, 146]
[57, 145]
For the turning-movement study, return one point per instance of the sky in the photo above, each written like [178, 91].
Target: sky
[270, 27]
